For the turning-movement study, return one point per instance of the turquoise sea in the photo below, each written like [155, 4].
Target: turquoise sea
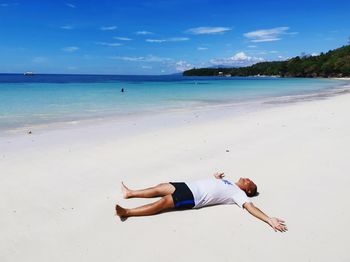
[45, 99]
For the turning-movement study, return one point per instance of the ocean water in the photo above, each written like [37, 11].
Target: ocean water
[44, 99]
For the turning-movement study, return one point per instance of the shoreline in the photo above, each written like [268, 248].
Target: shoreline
[225, 108]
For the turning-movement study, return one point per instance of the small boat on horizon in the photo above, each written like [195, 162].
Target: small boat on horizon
[28, 73]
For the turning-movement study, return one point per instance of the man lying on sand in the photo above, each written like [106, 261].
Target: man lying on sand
[196, 195]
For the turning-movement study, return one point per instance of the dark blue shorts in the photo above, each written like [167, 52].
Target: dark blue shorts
[182, 196]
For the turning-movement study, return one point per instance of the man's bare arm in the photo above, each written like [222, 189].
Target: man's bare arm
[276, 223]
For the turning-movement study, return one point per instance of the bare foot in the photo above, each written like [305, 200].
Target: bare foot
[126, 191]
[120, 212]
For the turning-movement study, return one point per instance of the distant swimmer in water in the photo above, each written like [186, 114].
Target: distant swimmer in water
[122, 90]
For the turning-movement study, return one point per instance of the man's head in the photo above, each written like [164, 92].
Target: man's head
[248, 186]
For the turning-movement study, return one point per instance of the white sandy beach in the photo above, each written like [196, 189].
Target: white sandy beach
[59, 187]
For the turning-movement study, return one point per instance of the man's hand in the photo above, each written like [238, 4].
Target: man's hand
[219, 175]
[277, 224]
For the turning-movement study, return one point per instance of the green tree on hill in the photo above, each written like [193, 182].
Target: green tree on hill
[334, 63]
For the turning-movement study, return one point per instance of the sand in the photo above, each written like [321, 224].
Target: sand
[59, 187]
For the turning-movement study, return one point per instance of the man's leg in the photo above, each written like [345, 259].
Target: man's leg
[165, 203]
[157, 191]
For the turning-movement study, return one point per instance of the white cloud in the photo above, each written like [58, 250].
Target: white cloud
[177, 39]
[239, 59]
[108, 28]
[155, 40]
[171, 39]
[122, 38]
[109, 44]
[202, 48]
[149, 58]
[266, 40]
[144, 33]
[315, 54]
[67, 27]
[268, 35]
[70, 5]
[70, 49]
[182, 66]
[8, 4]
[208, 30]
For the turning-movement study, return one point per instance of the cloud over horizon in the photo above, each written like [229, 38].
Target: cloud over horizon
[181, 66]
[239, 59]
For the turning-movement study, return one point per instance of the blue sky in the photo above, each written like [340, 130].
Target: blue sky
[163, 36]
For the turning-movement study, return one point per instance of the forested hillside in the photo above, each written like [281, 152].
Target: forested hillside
[335, 63]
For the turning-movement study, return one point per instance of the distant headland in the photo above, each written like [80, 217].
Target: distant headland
[334, 63]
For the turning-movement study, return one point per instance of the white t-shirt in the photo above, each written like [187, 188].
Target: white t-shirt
[216, 191]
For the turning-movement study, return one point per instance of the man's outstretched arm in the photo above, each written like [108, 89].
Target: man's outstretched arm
[276, 223]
